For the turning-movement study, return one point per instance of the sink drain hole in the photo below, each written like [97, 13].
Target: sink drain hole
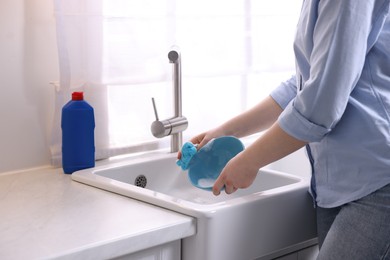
[140, 181]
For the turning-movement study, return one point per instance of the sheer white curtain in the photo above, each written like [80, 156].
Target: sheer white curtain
[233, 54]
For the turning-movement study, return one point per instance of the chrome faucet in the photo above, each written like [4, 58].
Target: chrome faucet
[178, 123]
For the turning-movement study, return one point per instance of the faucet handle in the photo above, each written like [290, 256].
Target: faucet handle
[160, 128]
[155, 109]
[169, 126]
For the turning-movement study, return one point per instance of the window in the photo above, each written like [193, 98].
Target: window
[233, 54]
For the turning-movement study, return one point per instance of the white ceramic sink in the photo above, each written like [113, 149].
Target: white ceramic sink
[274, 214]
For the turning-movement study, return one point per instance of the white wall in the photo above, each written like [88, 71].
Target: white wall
[28, 62]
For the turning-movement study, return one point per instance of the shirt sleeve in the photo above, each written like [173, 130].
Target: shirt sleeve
[285, 92]
[343, 33]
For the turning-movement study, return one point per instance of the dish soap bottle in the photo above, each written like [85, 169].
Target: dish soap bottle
[78, 140]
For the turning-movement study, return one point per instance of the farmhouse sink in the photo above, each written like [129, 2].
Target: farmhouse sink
[274, 214]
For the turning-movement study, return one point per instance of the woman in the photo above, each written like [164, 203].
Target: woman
[338, 106]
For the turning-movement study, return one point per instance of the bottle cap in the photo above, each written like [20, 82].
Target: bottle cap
[77, 96]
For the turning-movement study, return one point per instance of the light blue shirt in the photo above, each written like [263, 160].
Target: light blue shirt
[339, 100]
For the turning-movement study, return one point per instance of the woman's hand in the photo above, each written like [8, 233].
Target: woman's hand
[202, 139]
[238, 173]
[241, 171]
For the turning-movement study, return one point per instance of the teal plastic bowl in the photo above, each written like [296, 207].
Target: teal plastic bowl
[206, 165]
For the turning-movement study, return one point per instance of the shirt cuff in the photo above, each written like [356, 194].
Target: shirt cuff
[296, 125]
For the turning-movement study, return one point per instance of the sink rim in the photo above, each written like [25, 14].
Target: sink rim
[89, 177]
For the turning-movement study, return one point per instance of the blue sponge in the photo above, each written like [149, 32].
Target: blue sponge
[187, 152]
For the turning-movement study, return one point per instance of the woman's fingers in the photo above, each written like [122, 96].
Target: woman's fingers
[218, 185]
[229, 187]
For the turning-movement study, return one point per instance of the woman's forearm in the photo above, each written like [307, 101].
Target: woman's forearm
[273, 145]
[257, 119]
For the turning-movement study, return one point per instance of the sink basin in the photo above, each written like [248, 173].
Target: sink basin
[274, 214]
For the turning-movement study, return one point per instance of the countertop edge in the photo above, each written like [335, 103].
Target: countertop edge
[132, 244]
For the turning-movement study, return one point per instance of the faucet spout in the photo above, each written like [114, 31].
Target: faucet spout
[178, 123]
[175, 58]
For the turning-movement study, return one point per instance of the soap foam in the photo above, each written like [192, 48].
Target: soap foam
[206, 183]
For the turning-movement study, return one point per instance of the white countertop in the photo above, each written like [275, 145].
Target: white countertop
[44, 214]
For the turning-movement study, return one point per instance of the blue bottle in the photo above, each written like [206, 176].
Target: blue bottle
[78, 141]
